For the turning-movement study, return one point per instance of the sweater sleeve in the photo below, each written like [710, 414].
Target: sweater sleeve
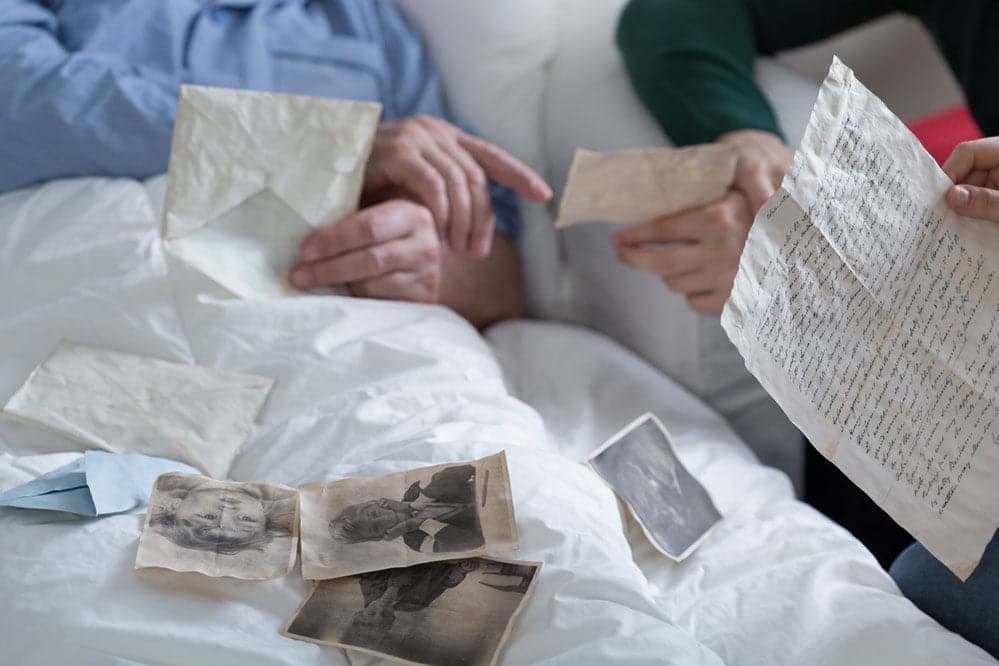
[691, 61]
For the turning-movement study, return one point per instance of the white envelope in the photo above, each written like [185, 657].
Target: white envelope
[252, 173]
[136, 404]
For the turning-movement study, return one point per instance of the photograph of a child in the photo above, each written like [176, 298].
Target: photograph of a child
[441, 512]
[455, 612]
[219, 528]
[673, 508]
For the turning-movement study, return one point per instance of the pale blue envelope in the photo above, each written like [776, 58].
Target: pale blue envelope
[95, 484]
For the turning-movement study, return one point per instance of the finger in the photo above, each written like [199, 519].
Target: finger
[682, 227]
[418, 176]
[364, 264]
[475, 240]
[459, 220]
[692, 283]
[708, 303]
[977, 178]
[980, 155]
[480, 244]
[397, 286]
[757, 185]
[663, 261]
[506, 169]
[970, 201]
[370, 226]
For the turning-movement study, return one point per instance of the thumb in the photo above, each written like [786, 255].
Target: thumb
[971, 201]
[756, 185]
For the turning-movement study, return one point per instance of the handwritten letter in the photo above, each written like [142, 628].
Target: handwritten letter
[870, 311]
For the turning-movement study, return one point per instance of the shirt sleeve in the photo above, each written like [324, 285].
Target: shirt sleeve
[73, 114]
[691, 61]
[417, 90]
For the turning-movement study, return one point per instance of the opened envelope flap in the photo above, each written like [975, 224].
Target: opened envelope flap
[309, 152]
[67, 477]
[73, 500]
[248, 250]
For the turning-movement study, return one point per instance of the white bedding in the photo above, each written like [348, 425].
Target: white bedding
[366, 388]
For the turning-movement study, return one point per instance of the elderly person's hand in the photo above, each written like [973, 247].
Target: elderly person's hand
[390, 250]
[696, 252]
[448, 171]
[974, 168]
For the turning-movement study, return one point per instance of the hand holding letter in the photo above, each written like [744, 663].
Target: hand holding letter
[974, 168]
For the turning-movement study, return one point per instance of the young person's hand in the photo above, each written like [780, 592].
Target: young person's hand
[696, 252]
[762, 161]
[448, 171]
[974, 169]
[390, 250]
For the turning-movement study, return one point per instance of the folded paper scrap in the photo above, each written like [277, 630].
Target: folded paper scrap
[95, 484]
[253, 173]
[434, 513]
[869, 310]
[672, 507]
[220, 528]
[135, 404]
[640, 184]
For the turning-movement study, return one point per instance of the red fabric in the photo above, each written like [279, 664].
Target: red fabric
[941, 132]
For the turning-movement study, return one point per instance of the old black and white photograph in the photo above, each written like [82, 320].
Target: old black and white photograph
[220, 528]
[673, 508]
[437, 613]
[434, 513]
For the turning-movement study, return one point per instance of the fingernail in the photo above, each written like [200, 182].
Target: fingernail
[961, 197]
[310, 253]
[301, 278]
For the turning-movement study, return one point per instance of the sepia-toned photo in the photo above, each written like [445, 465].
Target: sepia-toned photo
[220, 528]
[434, 513]
[673, 508]
[437, 613]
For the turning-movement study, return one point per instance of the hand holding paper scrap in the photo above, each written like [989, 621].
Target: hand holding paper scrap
[675, 511]
[219, 528]
[640, 184]
[252, 173]
[435, 513]
[869, 310]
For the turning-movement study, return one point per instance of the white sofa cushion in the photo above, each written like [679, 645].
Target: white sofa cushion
[543, 77]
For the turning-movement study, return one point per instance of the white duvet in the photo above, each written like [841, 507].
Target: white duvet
[367, 388]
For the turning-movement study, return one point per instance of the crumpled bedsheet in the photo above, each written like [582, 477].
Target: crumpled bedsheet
[365, 388]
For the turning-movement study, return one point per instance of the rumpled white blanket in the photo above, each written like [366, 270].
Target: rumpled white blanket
[368, 388]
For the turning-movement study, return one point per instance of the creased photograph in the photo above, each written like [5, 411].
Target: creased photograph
[437, 613]
[434, 513]
[639, 464]
[220, 528]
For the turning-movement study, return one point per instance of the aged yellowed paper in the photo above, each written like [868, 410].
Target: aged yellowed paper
[436, 613]
[640, 184]
[220, 528]
[870, 311]
[444, 512]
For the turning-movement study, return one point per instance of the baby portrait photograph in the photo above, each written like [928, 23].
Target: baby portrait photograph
[220, 528]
